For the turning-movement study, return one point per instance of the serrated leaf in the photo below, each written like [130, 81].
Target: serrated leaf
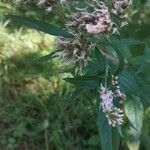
[41, 26]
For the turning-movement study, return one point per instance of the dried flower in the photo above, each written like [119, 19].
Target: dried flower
[119, 6]
[101, 21]
[74, 51]
[117, 92]
[114, 116]
[47, 4]
[96, 22]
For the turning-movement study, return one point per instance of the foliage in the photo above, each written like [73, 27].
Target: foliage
[35, 111]
[126, 57]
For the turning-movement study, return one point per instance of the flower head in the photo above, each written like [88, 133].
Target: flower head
[115, 116]
[119, 6]
[47, 4]
[95, 22]
[106, 97]
[74, 51]
[101, 21]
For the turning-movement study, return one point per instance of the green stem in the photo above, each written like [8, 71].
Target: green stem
[46, 140]
[106, 75]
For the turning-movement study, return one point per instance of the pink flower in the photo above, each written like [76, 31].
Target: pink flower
[107, 98]
[114, 115]
[102, 21]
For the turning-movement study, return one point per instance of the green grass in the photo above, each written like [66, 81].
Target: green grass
[36, 113]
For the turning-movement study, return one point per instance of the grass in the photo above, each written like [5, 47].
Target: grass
[36, 113]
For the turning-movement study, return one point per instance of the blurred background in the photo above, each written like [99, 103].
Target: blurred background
[35, 113]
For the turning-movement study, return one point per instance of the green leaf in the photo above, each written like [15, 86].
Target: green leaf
[146, 141]
[74, 95]
[115, 139]
[93, 140]
[134, 112]
[118, 49]
[128, 42]
[100, 60]
[43, 58]
[118, 128]
[41, 26]
[128, 83]
[104, 131]
[97, 66]
[109, 136]
[89, 82]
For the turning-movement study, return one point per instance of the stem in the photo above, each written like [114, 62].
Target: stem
[106, 74]
[46, 140]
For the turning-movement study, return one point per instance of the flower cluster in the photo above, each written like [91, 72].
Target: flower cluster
[115, 116]
[74, 51]
[50, 3]
[95, 22]
[107, 96]
[119, 7]
[47, 4]
[92, 20]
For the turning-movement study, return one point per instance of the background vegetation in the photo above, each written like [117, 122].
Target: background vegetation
[36, 110]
